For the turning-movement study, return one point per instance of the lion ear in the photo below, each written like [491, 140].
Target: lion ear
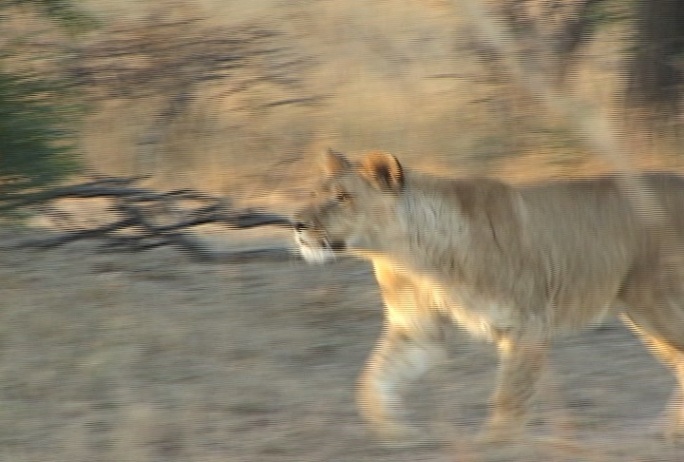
[383, 170]
[334, 162]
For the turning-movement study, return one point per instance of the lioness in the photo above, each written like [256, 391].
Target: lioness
[514, 265]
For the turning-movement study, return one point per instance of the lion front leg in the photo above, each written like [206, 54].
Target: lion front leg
[400, 357]
[522, 363]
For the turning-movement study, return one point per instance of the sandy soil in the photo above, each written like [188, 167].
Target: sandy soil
[150, 357]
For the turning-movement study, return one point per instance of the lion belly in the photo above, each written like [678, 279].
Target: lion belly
[524, 313]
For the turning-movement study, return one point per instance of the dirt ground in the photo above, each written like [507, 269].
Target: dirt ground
[150, 357]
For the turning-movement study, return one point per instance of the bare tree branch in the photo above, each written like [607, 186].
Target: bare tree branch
[142, 219]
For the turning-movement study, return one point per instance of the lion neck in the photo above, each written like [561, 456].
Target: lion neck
[429, 230]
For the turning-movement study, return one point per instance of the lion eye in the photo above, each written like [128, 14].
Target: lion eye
[342, 196]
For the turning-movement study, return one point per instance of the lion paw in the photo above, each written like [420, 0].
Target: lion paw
[499, 432]
[669, 427]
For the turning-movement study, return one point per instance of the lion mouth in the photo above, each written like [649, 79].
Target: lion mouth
[331, 246]
[318, 250]
[313, 250]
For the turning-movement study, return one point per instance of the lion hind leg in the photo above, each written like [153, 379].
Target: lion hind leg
[672, 355]
[653, 298]
[400, 358]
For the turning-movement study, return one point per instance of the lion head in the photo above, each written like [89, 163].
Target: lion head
[353, 207]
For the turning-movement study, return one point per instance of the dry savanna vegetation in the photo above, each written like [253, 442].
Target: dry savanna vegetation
[114, 355]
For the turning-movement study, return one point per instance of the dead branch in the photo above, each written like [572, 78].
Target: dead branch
[137, 218]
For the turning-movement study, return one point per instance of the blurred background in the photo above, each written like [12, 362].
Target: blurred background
[151, 357]
[238, 97]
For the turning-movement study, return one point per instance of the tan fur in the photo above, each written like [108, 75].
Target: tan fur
[514, 265]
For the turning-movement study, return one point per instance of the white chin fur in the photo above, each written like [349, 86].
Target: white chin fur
[317, 255]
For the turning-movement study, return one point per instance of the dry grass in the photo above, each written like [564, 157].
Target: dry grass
[354, 75]
[390, 75]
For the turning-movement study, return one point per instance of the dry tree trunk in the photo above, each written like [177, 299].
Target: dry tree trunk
[654, 76]
[653, 93]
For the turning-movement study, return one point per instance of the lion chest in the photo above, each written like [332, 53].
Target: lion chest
[413, 299]
[480, 313]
